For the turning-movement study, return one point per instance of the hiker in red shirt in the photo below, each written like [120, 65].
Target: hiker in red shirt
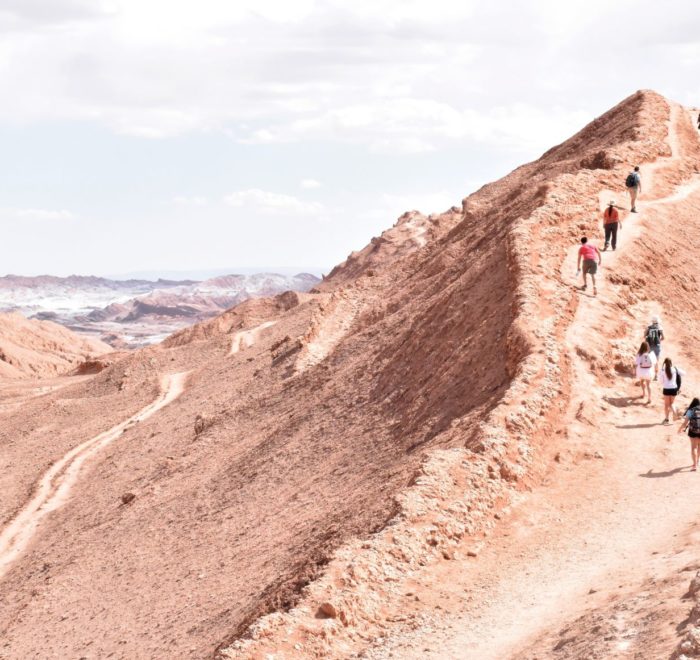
[611, 223]
[592, 258]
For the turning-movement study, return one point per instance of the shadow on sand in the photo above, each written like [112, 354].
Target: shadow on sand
[668, 473]
[624, 401]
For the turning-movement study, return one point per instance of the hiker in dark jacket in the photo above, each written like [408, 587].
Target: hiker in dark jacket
[691, 421]
[654, 336]
[634, 187]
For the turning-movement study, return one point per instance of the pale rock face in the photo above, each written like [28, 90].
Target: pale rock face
[131, 313]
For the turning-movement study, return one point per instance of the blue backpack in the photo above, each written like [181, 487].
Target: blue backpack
[631, 180]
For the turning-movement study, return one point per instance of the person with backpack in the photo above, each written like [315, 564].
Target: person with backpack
[654, 336]
[671, 383]
[644, 367]
[611, 223]
[633, 182]
[691, 421]
[591, 257]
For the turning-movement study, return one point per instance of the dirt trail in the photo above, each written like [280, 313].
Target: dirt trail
[328, 328]
[611, 508]
[246, 338]
[54, 488]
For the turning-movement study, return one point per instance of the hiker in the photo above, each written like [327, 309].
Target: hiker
[592, 258]
[699, 121]
[691, 421]
[644, 366]
[671, 383]
[654, 336]
[611, 223]
[634, 186]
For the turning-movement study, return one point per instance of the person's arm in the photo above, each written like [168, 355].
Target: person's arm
[600, 257]
[578, 263]
[640, 183]
[661, 334]
[684, 424]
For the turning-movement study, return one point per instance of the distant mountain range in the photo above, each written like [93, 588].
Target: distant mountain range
[135, 312]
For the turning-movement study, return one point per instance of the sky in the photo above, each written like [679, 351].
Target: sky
[164, 136]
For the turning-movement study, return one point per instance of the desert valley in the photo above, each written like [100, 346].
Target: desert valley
[436, 451]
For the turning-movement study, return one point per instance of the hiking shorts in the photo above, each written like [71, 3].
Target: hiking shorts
[656, 348]
[670, 391]
[590, 266]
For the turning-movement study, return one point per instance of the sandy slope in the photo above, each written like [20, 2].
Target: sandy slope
[54, 488]
[31, 348]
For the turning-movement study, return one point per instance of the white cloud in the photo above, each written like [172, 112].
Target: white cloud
[309, 184]
[391, 206]
[394, 76]
[37, 214]
[273, 203]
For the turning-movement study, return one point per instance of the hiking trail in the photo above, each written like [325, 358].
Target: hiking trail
[609, 508]
[246, 338]
[54, 488]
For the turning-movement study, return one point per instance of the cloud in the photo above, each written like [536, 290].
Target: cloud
[23, 14]
[391, 206]
[272, 203]
[38, 214]
[411, 125]
[309, 184]
[403, 77]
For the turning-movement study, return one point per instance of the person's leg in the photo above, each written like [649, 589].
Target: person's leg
[613, 232]
[693, 452]
[608, 233]
[667, 407]
[633, 198]
[657, 353]
[649, 391]
[595, 291]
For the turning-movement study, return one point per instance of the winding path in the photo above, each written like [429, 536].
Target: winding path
[54, 488]
[246, 338]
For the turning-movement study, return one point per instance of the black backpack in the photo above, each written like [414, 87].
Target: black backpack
[653, 335]
[631, 180]
[694, 423]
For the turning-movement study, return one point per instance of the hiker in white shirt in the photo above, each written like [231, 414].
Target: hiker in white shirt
[671, 383]
[644, 367]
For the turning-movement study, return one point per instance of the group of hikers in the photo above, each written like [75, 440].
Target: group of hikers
[647, 369]
[649, 354]
[589, 257]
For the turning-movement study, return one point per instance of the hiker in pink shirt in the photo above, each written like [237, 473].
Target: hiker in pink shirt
[591, 257]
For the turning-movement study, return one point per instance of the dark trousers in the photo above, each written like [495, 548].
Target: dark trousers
[611, 233]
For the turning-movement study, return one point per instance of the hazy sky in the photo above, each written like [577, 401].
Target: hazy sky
[179, 135]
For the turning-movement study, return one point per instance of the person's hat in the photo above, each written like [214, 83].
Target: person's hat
[612, 202]
[654, 319]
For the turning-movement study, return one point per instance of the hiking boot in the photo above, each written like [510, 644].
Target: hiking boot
[633, 210]
[666, 422]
